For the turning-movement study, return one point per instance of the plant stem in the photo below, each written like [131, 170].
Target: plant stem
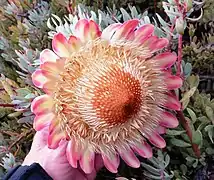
[180, 114]
[186, 126]
[155, 5]
[179, 55]
[7, 105]
[71, 7]
[22, 135]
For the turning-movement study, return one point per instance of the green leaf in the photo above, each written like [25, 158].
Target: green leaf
[15, 114]
[23, 92]
[212, 104]
[187, 69]
[210, 113]
[30, 96]
[134, 12]
[179, 143]
[174, 132]
[151, 169]
[185, 103]
[171, 2]
[146, 20]
[167, 160]
[193, 81]
[210, 151]
[163, 23]
[202, 125]
[210, 134]
[210, 129]
[152, 176]
[203, 119]
[192, 115]
[160, 155]
[121, 178]
[190, 159]
[197, 137]
[186, 97]
[195, 164]
[156, 162]
[126, 15]
[166, 176]
[185, 137]
[184, 169]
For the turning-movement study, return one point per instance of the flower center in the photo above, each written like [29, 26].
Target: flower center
[117, 97]
[101, 89]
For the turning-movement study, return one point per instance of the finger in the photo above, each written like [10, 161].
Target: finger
[40, 139]
[29, 160]
[76, 175]
[61, 150]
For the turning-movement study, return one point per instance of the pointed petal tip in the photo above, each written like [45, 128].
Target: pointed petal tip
[126, 30]
[161, 130]
[130, 158]
[94, 29]
[43, 120]
[87, 161]
[158, 43]
[173, 82]
[87, 30]
[157, 140]
[59, 35]
[71, 154]
[47, 56]
[169, 120]
[38, 78]
[111, 163]
[56, 134]
[144, 32]
[143, 149]
[172, 102]
[166, 59]
[41, 104]
[60, 45]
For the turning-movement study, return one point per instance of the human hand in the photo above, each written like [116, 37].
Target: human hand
[54, 161]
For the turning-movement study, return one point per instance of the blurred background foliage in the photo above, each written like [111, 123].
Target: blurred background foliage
[26, 28]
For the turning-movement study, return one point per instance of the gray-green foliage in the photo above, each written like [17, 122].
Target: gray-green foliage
[105, 18]
[22, 46]
[22, 36]
[155, 167]
[208, 14]
[199, 113]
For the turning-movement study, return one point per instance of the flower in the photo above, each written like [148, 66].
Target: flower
[107, 93]
[180, 25]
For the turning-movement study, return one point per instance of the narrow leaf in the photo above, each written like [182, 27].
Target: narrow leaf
[192, 115]
[179, 143]
[197, 137]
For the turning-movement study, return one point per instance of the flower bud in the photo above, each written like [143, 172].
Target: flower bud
[179, 25]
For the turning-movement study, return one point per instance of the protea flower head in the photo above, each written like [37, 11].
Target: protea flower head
[107, 93]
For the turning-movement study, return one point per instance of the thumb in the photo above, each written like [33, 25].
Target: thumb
[40, 139]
